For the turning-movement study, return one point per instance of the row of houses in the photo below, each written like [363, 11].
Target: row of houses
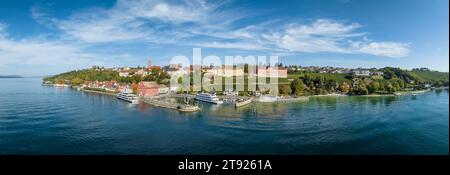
[144, 88]
[229, 71]
[225, 71]
[318, 69]
[112, 86]
[336, 70]
[366, 72]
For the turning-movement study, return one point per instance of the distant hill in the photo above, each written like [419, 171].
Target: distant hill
[430, 76]
[10, 76]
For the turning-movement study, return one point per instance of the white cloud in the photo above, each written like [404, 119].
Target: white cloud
[43, 52]
[325, 35]
[309, 44]
[229, 45]
[191, 11]
[388, 49]
[135, 20]
[199, 23]
[35, 52]
[324, 27]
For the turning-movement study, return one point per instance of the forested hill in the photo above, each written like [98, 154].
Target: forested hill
[79, 76]
[430, 76]
[391, 80]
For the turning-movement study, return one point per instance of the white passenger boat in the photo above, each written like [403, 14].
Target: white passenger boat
[127, 95]
[210, 98]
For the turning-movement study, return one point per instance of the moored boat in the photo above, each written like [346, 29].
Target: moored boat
[210, 98]
[241, 103]
[127, 95]
[188, 108]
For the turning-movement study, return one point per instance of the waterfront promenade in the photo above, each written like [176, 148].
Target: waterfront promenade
[160, 103]
[99, 92]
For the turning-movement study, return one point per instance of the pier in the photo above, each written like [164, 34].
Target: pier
[160, 103]
[98, 92]
[181, 95]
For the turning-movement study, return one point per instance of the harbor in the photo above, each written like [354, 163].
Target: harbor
[165, 103]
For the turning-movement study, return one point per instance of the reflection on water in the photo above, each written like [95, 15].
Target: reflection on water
[65, 121]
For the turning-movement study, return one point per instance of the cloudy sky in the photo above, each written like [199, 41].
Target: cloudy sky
[47, 37]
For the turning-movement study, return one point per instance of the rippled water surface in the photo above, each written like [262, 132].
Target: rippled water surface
[35, 119]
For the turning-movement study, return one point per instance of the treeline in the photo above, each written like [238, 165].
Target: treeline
[393, 80]
[79, 76]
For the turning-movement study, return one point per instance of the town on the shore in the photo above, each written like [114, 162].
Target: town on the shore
[294, 82]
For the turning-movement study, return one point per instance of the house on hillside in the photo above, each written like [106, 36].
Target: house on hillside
[225, 71]
[377, 73]
[124, 73]
[272, 72]
[361, 72]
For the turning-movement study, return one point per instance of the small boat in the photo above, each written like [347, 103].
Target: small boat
[210, 98]
[243, 102]
[188, 108]
[127, 95]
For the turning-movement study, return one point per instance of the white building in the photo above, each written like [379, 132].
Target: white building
[361, 72]
[124, 73]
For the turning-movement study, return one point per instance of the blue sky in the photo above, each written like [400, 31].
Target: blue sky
[47, 37]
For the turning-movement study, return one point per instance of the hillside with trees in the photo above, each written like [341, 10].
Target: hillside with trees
[79, 76]
[393, 80]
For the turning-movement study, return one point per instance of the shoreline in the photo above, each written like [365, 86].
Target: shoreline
[98, 92]
[280, 98]
[291, 99]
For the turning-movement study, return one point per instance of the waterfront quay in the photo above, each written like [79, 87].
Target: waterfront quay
[161, 101]
[157, 102]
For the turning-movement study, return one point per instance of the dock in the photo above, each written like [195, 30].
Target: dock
[157, 102]
[160, 103]
[98, 92]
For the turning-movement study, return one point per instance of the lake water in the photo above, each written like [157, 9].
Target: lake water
[35, 119]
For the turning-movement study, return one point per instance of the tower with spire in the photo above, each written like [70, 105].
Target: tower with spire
[150, 67]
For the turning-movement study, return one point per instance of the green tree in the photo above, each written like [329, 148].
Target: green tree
[285, 89]
[76, 81]
[390, 88]
[360, 89]
[396, 86]
[374, 86]
[344, 88]
[297, 87]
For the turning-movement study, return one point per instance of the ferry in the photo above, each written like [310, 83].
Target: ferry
[127, 95]
[210, 98]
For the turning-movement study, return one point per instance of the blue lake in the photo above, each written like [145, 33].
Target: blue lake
[35, 119]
